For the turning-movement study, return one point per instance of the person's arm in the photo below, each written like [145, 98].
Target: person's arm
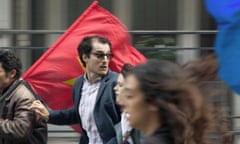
[58, 117]
[63, 117]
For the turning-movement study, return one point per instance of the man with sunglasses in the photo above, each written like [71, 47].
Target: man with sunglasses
[94, 99]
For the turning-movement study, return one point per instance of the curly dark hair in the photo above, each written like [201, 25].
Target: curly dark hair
[182, 106]
[10, 61]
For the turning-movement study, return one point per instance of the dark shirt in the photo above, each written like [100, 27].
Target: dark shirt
[161, 136]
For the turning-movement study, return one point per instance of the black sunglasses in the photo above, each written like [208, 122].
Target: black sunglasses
[102, 55]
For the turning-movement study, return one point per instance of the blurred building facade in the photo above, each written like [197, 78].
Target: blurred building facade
[186, 15]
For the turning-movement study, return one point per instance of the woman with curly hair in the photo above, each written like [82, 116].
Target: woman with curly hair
[166, 104]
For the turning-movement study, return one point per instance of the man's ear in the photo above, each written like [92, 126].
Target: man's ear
[85, 58]
[12, 73]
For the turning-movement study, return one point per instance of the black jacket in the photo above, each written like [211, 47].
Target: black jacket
[161, 136]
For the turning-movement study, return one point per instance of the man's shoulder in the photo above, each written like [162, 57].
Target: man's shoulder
[110, 77]
[21, 90]
[80, 78]
[112, 74]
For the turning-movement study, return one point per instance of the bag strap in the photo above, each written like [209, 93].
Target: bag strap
[37, 97]
[30, 88]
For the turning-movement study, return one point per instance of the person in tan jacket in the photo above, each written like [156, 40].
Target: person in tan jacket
[18, 124]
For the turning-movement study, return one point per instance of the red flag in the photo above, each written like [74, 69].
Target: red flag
[53, 75]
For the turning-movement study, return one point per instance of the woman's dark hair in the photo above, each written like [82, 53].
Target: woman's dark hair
[203, 72]
[182, 106]
[203, 69]
[9, 62]
[126, 68]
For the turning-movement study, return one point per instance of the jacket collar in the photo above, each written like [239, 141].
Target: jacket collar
[12, 87]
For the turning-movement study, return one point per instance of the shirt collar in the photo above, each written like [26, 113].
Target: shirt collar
[94, 81]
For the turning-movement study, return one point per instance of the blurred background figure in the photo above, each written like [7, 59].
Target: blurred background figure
[169, 106]
[125, 133]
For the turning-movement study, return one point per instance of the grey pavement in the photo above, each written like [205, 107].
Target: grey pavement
[62, 135]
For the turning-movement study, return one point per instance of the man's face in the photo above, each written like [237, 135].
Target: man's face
[98, 61]
[5, 78]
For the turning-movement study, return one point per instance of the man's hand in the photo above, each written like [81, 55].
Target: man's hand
[40, 109]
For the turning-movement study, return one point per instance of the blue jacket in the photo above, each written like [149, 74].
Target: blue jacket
[106, 112]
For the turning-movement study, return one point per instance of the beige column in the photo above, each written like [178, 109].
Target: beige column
[5, 21]
[188, 15]
[56, 18]
[123, 10]
[23, 21]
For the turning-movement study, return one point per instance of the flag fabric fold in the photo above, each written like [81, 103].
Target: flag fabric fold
[227, 43]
